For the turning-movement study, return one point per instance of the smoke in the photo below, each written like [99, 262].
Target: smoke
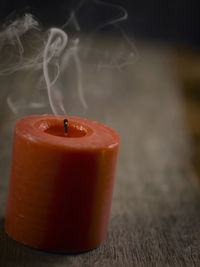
[56, 43]
[10, 36]
[46, 56]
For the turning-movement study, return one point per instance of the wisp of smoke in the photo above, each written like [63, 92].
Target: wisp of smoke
[11, 35]
[57, 51]
[56, 43]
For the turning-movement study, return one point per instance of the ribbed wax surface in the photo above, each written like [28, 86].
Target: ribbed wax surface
[61, 183]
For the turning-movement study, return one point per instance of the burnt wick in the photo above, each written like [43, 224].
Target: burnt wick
[65, 125]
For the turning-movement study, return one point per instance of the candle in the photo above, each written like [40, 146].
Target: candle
[61, 183]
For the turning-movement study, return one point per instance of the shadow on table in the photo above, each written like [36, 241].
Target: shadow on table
[13, 253]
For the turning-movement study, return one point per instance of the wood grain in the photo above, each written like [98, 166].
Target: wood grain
[156, 205]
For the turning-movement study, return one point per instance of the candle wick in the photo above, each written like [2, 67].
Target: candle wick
[65, 125]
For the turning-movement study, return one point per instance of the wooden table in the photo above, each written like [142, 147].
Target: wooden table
[155, 218]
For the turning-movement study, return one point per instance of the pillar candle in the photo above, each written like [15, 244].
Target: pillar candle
[61, 183]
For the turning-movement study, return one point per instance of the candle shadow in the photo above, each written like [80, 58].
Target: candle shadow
[13, 253]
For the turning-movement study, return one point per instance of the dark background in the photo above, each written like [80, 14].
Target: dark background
[176, 21]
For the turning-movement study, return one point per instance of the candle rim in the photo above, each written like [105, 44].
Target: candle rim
[102, 136]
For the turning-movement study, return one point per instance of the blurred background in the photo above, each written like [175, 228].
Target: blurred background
[135, 66]
[175, 21]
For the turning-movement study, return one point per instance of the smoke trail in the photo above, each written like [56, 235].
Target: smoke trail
[52, 52]
[53, 49]
[41, 59]
[10, 35]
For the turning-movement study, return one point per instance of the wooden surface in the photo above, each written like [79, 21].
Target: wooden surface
[155, 218]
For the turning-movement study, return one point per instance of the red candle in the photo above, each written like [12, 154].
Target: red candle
[61, 183]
